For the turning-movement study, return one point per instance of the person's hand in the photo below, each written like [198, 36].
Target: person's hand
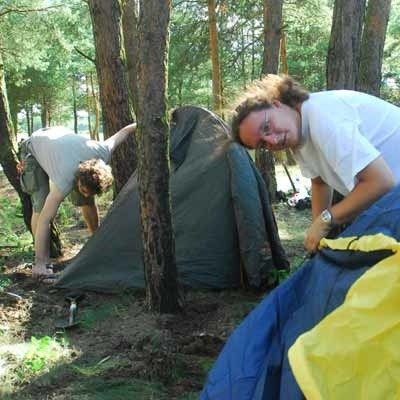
[42, 270]
[318, 230]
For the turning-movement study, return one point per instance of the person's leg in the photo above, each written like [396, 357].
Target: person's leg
[90, 214]
[35, 182]
[34, 220]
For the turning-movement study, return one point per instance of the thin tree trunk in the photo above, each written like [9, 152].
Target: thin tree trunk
[28, 121]
[253, 51]
[96, 109]
[153, 168]
[89, 109]
[44, 112]
[75, 111]
[373, 41]
[214, 53]
[344, 45]
[32, 119]
[243, 58]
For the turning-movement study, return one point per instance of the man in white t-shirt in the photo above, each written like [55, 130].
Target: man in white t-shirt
[341, 139]
[55, 163]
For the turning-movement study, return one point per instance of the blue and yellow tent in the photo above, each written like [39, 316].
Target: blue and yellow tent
[332, 330]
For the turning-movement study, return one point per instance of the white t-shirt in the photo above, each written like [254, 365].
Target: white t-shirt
[342, 132]
[59, 151]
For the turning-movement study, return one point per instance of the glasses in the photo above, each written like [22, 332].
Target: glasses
[265, 131]
[266, 126]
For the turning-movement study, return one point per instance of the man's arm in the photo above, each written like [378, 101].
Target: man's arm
[116, 139]
[321, 197]
[42, 234]
[375, 180]
[90, 214]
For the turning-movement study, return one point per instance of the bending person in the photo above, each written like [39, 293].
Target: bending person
[341, 139]
[57, 162]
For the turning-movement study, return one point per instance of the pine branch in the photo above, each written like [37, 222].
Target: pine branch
[85, 55]
[26, 10]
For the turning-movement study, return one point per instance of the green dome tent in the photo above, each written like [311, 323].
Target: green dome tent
[225, 232]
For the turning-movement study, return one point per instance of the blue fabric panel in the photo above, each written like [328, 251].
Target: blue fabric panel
[254, 364]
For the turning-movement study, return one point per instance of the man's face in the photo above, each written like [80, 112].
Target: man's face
[84, 190]
[275, 128]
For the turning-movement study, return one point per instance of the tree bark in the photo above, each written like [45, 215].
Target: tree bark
[373, 41]
[272, 39]
[129, 26]
[266, 160]
[214, 53]
[344, 44]
[285, 70]
[283, 56]
[153, 167]
[114, 97]
[272, 35]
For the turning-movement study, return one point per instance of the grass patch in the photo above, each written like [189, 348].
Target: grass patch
[242, 309]
[90, 316]
[189, 396]
[22, 362]
[95, 369]
[118, 390]
[4, 283]
[206, 364]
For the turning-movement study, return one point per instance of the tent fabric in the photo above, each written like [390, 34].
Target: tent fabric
[223, 222]
[254, 362]
[364, 362]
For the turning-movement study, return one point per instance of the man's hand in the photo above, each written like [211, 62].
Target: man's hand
[318, 230]
[41, 270]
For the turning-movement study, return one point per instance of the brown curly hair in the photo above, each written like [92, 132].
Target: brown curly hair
[260, 95]
[94, 174]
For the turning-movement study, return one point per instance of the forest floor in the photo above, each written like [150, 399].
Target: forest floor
[119, 350]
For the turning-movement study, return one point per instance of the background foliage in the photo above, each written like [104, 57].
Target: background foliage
[42, 52]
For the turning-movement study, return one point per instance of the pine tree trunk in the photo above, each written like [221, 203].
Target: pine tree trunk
[153, 167]
[272, 39]
[373, 41]
[272, 35]
[114, 95]
[129, 25]
[344, 45]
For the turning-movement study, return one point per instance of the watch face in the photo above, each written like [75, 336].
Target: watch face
[326, 216]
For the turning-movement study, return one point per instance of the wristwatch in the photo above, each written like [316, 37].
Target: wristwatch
[326, 216]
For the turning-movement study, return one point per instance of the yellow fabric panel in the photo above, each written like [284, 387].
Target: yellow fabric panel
[354, 353]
